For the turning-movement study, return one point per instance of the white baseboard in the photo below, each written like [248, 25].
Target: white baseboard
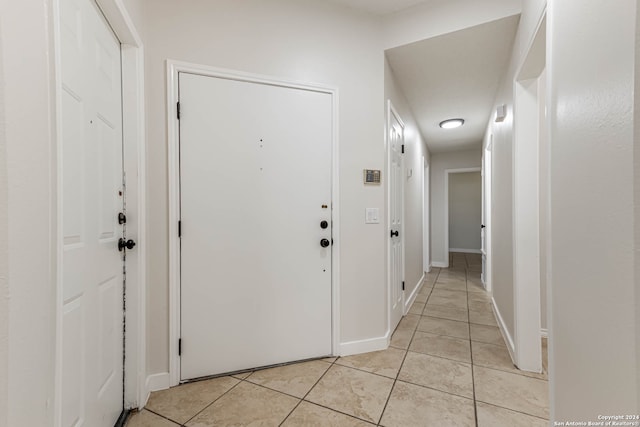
[544, 333]
[156, 382]
[364, 346]
[465, 251]
[505, 332]
[414, 294]
[439, 264]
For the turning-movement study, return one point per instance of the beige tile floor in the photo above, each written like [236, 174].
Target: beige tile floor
[447, 366]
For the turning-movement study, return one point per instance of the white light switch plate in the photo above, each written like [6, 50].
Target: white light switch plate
[372, 216]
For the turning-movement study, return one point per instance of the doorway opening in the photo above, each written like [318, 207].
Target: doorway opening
[463, 217]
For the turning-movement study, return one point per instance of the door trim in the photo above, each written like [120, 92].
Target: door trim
[173, 138]
[426, 220]
[391, 110]
[446, 207]
[525, 192]
[134, 166]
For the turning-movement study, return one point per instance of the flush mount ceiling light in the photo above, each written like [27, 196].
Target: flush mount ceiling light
[451, 123]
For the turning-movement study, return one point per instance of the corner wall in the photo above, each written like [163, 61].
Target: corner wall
[594, 330]
[502, 170]
[4, 255]
[415, 150]
[439, 163]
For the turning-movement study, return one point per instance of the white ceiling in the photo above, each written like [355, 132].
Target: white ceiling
[454, 75]
[379, 7]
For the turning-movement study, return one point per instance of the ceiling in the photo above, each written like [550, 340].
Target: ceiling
[454, 75]
[379, 7]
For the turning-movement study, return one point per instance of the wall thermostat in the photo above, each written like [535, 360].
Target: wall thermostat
[371, 176]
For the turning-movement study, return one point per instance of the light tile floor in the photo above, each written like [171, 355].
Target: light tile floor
[447, 366]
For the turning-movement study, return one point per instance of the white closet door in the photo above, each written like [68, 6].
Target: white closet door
[396, 200]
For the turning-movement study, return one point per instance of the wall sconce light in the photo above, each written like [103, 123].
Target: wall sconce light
[501, 113]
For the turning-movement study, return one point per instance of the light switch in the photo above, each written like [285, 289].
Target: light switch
[372, 216]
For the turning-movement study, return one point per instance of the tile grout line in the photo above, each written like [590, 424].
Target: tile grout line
[215, 400]
[512, 410]
[303, 399]
[405, 354]
[309, 391]
[473, 378]
[161, 416]
[326, 407]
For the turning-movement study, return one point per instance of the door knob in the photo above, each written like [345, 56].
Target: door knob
[122, 244]
[483, 226]
[324, 243]
[324, 224]
[395, 233]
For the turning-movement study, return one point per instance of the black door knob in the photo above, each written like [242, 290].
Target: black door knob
[324, 243]
[483, 226]
[324, 224]
[395, 233]
[128, 244]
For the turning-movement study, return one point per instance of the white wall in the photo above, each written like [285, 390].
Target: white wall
[415, 150]
[4, 254]
[593, 327]
[543, 160]
[302, 40]
[502, 179]
[437, 17]
[636, 170]
[26, 215]
[465, 211]
[439, 163]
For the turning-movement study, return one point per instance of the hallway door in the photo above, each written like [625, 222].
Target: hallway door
[396, 217]
[255, 178]
[92, 195]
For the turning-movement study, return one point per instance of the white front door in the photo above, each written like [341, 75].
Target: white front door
[396, 215]
[255, 191]
[91, 365]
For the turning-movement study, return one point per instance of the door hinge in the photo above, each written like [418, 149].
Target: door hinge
[178, 110]
[179, 346]
[403, 285]
[402, 147]
[179, 228]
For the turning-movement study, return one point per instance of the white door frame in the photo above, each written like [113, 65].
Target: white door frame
[446, 206]
[133, 131]
[173, 136]
[392, 111]
[426, 228]
[526, 204]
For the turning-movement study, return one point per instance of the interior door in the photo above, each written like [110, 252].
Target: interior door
[92, 197]
[255, 178]
[396, 221]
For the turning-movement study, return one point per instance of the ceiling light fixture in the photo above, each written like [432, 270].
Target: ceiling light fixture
[451, 123]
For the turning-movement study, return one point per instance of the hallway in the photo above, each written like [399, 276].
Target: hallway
[447, 366]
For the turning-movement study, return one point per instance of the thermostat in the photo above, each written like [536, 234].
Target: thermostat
[371, 176]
